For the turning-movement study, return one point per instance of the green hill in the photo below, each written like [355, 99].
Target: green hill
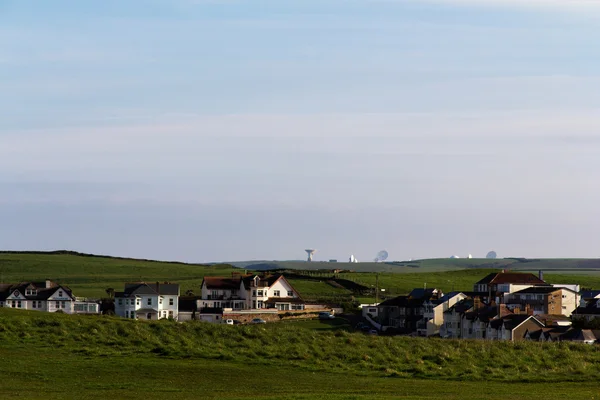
[54, 356]
[90, 275]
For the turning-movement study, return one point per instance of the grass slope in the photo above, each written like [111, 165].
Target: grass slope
[89, 276]
[55, 356]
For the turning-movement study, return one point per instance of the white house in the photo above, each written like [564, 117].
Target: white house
[148, 301]
[250, 292]
[38, 296]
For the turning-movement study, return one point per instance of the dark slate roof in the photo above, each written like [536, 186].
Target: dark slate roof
[43, 290]
[590, 308]
[400, 301]
[485, 313]
[447, 297]
[141, 288]
[511, 277]
[589, 294]
[461, 306]
[215, 282]
[579, 335]
[511, 321]
[422, 294]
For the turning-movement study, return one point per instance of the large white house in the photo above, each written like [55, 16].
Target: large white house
[44, 296]
[250, 292]
[148, 301]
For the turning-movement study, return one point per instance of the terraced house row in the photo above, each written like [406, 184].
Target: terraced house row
[502, 306]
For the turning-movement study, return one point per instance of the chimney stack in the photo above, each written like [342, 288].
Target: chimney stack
[541, 275]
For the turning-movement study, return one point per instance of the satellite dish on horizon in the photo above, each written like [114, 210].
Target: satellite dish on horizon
[470, 256]
[492, 254]
[310, 253]
[454, 257]
[381, 256]
[352, 259]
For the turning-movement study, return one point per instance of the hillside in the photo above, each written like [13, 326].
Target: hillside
[90, 276]
[432, 265]
[97, 357]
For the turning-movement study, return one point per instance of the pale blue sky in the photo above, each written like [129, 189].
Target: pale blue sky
[205, 130]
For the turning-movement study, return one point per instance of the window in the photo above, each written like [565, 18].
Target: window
[170, 314]
[64, 303]
[14, 304]
[254, 293]
[171, 301]
[126, 314]
[132, 314]
[138, 302]
[33, 305]
[160, 300]
[372, 310]
[120, 302]
[276, 293]
[149, 302]
[149, 316]
[60, 293]
[30, 292]
[260, 293]
[214, 293]
[58, 304]
[290, 293]
[39, 304]
[19, 304]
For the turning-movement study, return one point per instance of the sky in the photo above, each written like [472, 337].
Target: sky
[223, 130]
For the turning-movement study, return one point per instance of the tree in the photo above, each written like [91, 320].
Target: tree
[110, 292]
[189, 292]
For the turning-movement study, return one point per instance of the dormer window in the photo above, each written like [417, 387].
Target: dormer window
[31, 292]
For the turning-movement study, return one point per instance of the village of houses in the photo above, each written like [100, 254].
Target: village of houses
[503, 305]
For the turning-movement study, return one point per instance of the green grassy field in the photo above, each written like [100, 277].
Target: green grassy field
[90, 276]
[54, 356]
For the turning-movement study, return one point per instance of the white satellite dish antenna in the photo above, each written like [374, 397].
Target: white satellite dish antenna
[470, 256]
[310, 253]
[381, 256]
[491, 254]
[454, 257]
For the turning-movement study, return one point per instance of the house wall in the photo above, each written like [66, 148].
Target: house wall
[60, 300]
[570, 301]
[434, 324]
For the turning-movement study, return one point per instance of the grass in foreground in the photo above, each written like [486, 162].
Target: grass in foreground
[54, 356]
[289, 344]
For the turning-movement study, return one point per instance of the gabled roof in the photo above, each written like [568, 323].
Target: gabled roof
[461, 306]
[422, 294]
[496, 278]
[399, 301]
[141, 288]
[447, 297]
[484, 314]
[216, 282]
[43, 290]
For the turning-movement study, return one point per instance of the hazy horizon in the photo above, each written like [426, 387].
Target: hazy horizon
[199, 130]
